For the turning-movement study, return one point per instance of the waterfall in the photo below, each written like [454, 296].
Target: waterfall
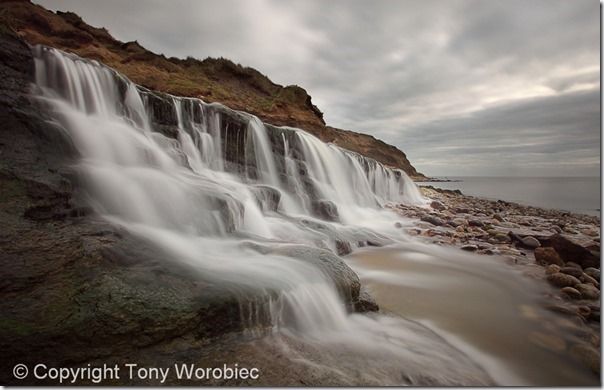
[237, 202]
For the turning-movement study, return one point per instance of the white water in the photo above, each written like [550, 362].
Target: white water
[181, 195]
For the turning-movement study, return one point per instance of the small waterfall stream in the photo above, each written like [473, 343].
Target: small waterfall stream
[263, 208]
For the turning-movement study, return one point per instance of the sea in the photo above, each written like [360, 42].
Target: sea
[575, 194]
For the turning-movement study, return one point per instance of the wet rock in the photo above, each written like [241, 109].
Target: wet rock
[325, 210]
[498, 217]
[267, 197]
[365, 302]
[531, 242]
[231, 212]
[571, 251]
[546, 255]
[435, 204]
[574, 265]
[345, 279]
[552, 269]
[588, 291]
[398, 225]
[475, 222]
[563, 280]
[571, 292]
[343, 247]
[577, 273]
[589, 280]
[459, 222]
[433, 220]
[469, 248]
[502, 238]
[593, 272]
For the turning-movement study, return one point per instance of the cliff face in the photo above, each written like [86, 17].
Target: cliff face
[213, 80]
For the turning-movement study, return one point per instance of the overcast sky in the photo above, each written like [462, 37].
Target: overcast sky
[489, 87]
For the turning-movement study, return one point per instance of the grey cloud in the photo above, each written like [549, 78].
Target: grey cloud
[540, 136]
[418, 74]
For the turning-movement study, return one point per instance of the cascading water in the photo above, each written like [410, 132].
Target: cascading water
[219, 198]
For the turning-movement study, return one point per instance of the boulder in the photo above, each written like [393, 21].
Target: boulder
[572, 264]
[571, 251]
[588, 291]
[571, 292]
[593, 272]
[325, 210]
[563, 280]
[546, 256]
[343, 247]
[531, 242]
[552, 269]
[345, 279]
[589, 280]
[365, 302]
[577, 273]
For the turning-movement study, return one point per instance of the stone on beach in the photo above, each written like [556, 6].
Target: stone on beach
[588, 291]
[435, 204]
[571, 251]
[571, 292]
[531, 242]
[547, 255]
[563, 280]
[577, 273]
[469, 248]
[593, 272]
[552, 269]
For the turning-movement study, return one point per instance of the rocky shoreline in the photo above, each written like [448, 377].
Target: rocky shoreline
[555, 247]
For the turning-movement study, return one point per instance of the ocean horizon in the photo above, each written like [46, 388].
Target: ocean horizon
[577, 194]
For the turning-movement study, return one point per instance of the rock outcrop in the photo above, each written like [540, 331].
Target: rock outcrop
[212, 80]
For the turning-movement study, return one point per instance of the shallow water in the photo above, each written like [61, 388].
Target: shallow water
[576, 194]
[484, 308]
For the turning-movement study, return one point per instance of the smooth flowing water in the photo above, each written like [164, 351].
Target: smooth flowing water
[258, 209]
[484, 309]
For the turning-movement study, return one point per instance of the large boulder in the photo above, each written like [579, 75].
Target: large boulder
[345, 279]
[570, 251]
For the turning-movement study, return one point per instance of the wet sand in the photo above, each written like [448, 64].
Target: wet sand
[481, 306]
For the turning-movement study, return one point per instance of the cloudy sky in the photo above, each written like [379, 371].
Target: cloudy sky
[488, 87]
